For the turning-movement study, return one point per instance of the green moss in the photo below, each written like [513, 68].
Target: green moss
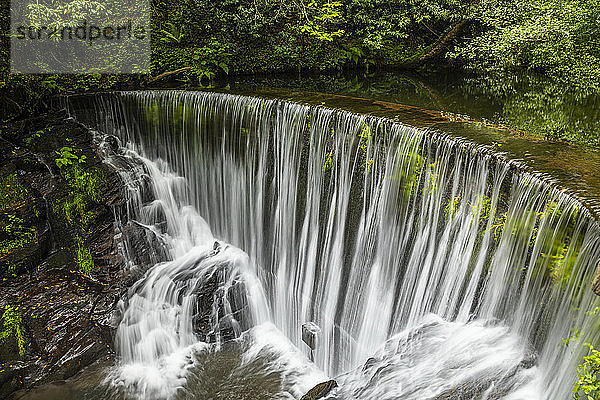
[67, 157]
[84, 258]
[408, 171]
[35, 136]
[498, 226]
[431, 179]
[75, 209]
[560, 255]
[451, 207]
[12, 320]
[481, 205]
[365, 137]
[17, 236]
[12, 192]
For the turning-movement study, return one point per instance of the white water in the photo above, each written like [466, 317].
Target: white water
[434, 269]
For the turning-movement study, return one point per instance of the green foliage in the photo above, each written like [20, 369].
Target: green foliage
[557, 37]
[13, 234]
[325, 13]
[55, 15]
[328, 164]
[75, 209]
[481, 206]
[573, 337]
[16, 235]
[28, 141]
[558, 251]
[85, 186]
[380, 24]
[12, 318]
[365, 136]
[587, 386]
[172, 33]
[88, 182]
[203, 62]
[408, 172]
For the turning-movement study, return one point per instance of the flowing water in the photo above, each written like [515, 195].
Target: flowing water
[434, 268]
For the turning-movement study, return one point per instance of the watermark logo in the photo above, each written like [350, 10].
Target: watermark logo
[80, 36]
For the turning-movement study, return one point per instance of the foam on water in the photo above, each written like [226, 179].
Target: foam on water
[441, 359]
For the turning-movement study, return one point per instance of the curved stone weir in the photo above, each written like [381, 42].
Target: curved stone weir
[434, 268]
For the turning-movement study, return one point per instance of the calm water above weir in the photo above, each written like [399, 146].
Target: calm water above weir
[523, 101]
[435, 269]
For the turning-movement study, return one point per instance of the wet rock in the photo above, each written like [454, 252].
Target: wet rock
[310, 333]
[113, 142]
[596, 283]
[529, 360]
[215, 321]
[320, 391]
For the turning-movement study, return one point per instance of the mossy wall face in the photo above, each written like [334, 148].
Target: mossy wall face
[20, 218]
[61, 269]
[15, 235]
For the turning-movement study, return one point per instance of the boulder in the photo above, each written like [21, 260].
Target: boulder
[320, 391]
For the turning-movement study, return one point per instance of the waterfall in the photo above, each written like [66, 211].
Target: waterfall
[434, 268]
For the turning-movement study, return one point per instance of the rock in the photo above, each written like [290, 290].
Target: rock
[56, 317]
[232, 321]
[310, 332]
[113, 142]
[320, 391]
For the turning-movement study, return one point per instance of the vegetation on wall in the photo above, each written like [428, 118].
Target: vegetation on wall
[83, 193]
[14, 234]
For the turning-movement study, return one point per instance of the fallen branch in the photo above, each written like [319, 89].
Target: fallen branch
[443, 43]
[165, 74]
[437, 48]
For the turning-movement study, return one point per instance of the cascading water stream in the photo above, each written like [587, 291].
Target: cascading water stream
[433, 268]
[163, 331]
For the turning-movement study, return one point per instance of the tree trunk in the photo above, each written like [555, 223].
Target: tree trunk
[436, 49]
